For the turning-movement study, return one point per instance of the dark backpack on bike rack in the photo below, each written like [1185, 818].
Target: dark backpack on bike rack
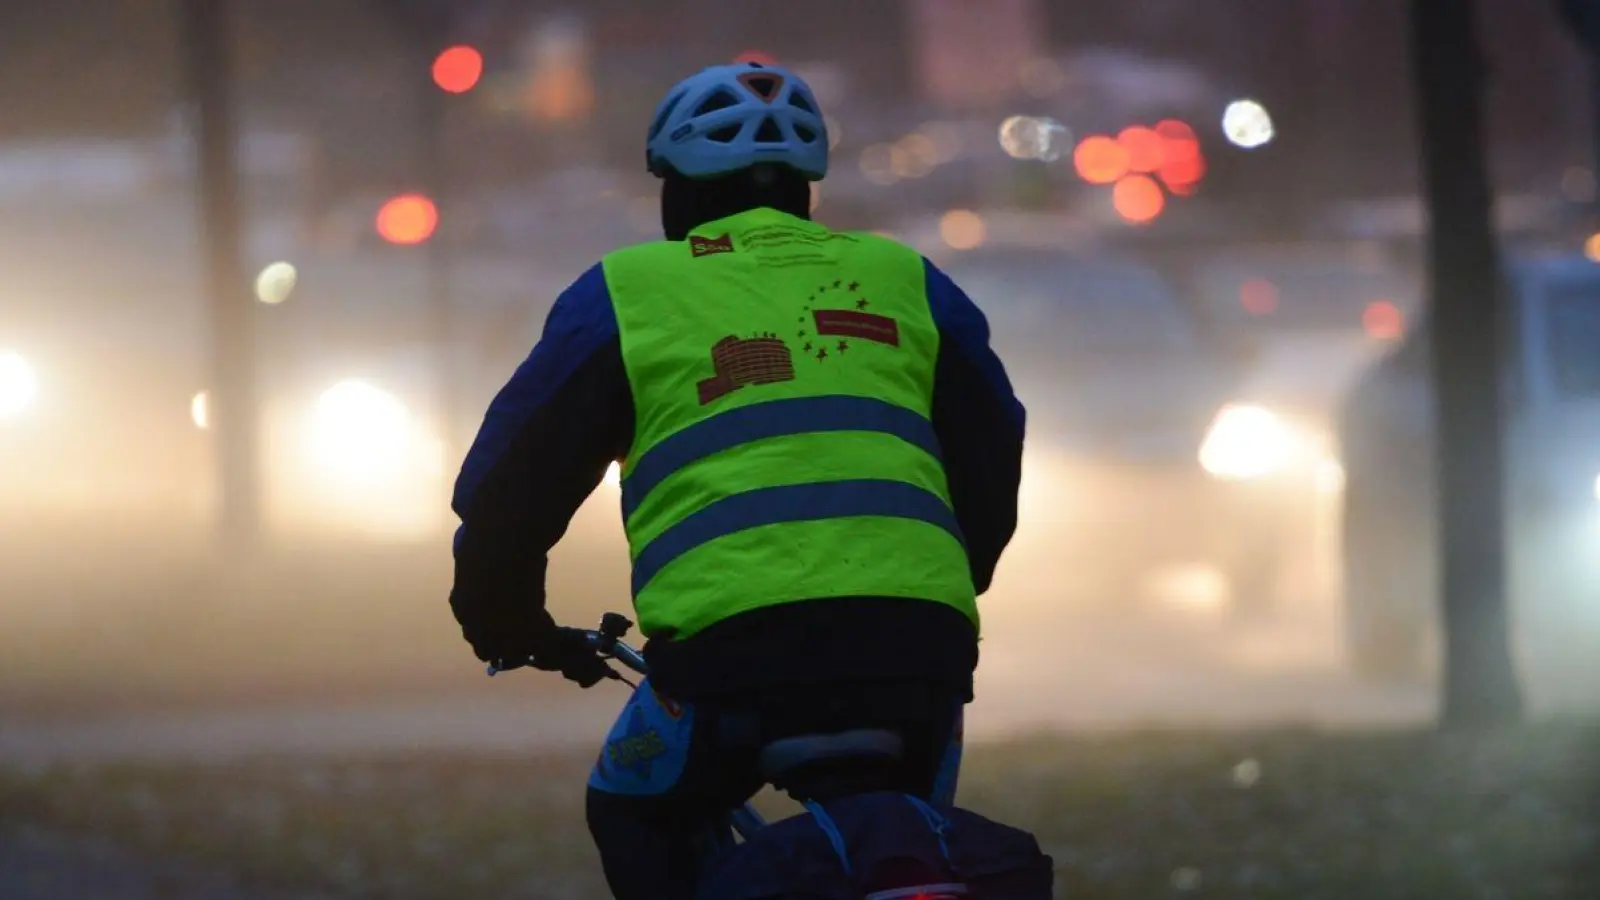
[883, 846]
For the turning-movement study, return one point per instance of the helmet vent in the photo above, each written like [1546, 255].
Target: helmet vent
[805, 134]
[666, 113]
[799, 101]
[762, 85]
[724, 135]
[769, 133]
[722, 98]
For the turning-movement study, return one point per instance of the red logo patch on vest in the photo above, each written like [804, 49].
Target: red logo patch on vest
[741, 361]
[703, 246]
[852, 324]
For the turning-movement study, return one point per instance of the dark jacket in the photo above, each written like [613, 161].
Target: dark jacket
[567, 413]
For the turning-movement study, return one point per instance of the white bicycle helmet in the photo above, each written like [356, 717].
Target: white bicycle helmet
[727, 118]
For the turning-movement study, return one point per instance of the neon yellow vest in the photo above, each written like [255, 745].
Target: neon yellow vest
[782, 379]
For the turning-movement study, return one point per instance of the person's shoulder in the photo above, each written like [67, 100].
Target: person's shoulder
[585, 304]
[878, 240]
[645, 251]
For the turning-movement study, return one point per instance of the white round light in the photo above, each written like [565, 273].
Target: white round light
[362, 433]
[1245, 442]
[19, 385]
[200, 410]
[1033, 137]
[276, 282]
[1247, 124]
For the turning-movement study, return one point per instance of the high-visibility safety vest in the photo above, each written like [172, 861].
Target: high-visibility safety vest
[782, 379]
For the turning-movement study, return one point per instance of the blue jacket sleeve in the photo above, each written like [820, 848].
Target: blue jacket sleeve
[544, 446]
[980, 424]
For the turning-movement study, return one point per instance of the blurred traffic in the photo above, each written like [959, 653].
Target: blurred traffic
[1212, 316]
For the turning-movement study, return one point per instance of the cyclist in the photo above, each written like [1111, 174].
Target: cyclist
[820, 458]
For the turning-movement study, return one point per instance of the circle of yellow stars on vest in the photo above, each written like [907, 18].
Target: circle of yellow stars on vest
[817, 346]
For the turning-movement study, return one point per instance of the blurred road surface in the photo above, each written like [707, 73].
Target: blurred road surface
[36, 865]
[1039, 672]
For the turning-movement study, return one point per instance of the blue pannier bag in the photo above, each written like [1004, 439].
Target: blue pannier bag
[883, 846]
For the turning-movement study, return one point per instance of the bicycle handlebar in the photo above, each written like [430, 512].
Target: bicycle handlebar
[606, 641]
[614, 648]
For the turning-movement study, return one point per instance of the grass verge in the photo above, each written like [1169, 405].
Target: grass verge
[1300, 815]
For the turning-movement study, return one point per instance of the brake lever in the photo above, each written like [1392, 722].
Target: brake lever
[614, 675]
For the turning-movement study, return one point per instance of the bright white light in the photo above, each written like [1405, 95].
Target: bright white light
[1597, 487]
[1247, 124]
[362, 434]
[19, 385]
[1033, 137]
[1329, 476]
[1245, 442]
[613, 476]
[200, 410]
[276, 282]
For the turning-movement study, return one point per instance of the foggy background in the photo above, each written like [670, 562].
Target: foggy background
[1138, 588]
[1194, 228]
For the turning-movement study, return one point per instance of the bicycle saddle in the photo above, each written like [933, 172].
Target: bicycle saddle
[788, 754]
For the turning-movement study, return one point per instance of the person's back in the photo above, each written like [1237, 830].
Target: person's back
[820, 466]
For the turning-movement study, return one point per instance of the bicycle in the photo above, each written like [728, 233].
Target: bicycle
[790, 765]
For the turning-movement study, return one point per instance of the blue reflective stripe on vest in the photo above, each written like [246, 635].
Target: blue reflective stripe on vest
[791, 503]
[775, 418]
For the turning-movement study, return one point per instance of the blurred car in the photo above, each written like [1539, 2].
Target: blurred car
[105, 400]
[1390, 547]
[1143, 460]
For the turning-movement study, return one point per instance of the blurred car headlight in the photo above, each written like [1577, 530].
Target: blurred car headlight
[1245, 442]
[362, 435]
[19, 384]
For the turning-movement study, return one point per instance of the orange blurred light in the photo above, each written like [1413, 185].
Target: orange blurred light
[1258, 296]
[1146, 148]
[1100, 160]
[1182, 165]
[407, 219]
[756, 56]
[1183, 173]
[458, 69]
[1138, 198]
[1383, 320]
[1175, 130]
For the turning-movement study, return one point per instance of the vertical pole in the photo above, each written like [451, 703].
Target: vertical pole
[207, 35]
[438, 262]
[1465, 297]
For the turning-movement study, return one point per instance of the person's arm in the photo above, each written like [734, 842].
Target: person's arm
[979, 423]
[544, 446]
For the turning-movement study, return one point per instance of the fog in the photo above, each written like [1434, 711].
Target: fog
[1195, 231]
[1154, 578]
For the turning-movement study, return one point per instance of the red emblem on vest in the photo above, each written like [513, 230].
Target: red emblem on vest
[702, 246]
[741, 361]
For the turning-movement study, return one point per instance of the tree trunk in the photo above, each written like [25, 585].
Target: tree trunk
[1480, 685]
[233, 411]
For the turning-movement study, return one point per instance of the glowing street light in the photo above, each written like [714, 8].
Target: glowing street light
[962, 229]
[276, 282]
[200, 410]
[458, 69]
[407, 219]
[1247, 124]
[1138, 199]
[19, 384]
